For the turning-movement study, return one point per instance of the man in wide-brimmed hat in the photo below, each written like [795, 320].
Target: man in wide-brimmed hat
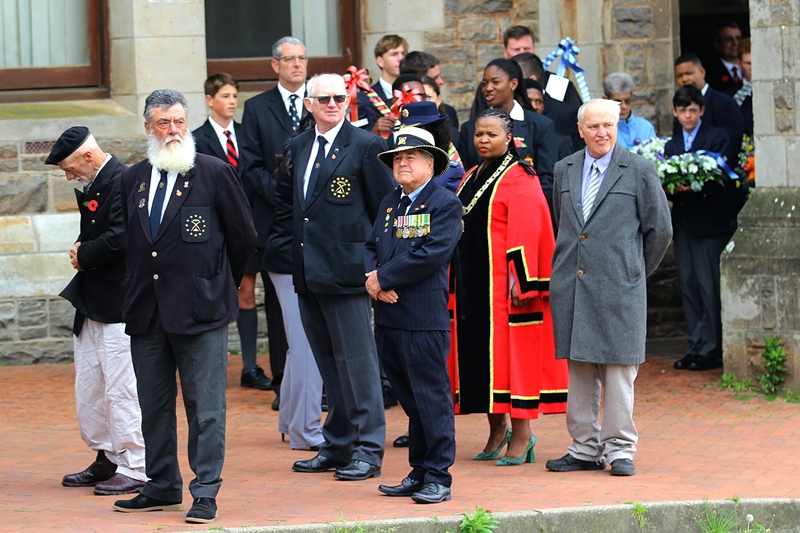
[406, 259]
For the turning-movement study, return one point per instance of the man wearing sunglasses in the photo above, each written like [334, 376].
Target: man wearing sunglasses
[335, 188]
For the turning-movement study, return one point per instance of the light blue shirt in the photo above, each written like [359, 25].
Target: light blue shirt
[413, 195]
[688, 137]
[632, 129]
[602, 166]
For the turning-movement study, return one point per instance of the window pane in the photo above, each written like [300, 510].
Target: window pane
[44, 33]
[249, 28]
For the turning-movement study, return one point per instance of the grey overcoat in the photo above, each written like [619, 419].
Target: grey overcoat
[598, 295]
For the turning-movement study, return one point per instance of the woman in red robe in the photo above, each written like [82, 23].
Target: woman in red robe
[502, 357]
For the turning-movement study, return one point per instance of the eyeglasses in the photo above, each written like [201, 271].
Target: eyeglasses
[324, 100]
[292, 59]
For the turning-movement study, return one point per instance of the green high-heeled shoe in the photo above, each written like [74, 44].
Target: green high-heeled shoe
[527, 456]
[491, 456]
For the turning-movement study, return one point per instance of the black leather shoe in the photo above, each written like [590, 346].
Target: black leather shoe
[705, 363]
[432, 493]
[571, 464]
[622, 467]
[100, 470]
[683, 364]
[203, 511]
[118, 484]
[256, 379]
[357, 471]
[407, 487]
[319, 463]
[143, 504]
[401, 442]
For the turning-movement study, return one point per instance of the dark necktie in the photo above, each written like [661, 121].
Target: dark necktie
[735, 72]
[312, 178]
[233, 157]
[87, 187]
[158, 203]
[293, 111]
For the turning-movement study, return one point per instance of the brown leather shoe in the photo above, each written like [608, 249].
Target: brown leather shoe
[118, 484]
[100, 470]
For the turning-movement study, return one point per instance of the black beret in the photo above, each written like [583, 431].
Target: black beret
[70, 140]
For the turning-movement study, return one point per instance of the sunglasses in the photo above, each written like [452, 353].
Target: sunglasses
[324, 100]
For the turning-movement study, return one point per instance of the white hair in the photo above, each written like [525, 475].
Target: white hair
[325, 79]
[172, 158]
[609, 106]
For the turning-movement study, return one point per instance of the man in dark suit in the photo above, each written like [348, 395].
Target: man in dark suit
[406, 263]
[269, 119]
[389, 53]
[723, 71]
[337, 186]
[721, 112]
[702, 224]
[218, 137]
[105, 384]
[190, 234]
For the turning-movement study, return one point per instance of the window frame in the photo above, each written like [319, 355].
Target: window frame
[257, 73]
[64, 82]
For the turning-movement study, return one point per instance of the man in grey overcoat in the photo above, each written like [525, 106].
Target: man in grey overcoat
[613, 229]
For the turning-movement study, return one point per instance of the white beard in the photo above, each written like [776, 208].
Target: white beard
[171, 158]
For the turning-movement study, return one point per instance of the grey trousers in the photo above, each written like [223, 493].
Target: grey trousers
[617, 437]
[202, 364]
[300, 415]
[339, 329]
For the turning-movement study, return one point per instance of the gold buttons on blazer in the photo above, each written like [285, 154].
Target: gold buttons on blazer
[582, 238]
[580, 273]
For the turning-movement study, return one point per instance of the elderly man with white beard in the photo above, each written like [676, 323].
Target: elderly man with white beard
[190, 233]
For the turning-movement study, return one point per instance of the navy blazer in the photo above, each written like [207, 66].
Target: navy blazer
[330, 228]
[704, 213]
[415, 268]
[190, 273]
[265, 127]
[542, 146]
[98, 291]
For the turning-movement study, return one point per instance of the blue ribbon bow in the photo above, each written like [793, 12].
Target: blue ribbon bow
[568, 52]
[721, 163]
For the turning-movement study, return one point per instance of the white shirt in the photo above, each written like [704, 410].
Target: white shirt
[330, 136]
[155, 177]
[223, 139]
[387, 88]
[517, 113]
[729, 66]
[298, 104]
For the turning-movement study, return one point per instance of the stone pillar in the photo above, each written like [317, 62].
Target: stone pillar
[761, 270]
[158, 44]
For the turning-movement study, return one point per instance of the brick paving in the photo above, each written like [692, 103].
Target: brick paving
[695, 442]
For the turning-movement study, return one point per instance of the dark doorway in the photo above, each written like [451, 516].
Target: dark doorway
[699, 21]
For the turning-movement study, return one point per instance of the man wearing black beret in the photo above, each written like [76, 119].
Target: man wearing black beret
[105, 384]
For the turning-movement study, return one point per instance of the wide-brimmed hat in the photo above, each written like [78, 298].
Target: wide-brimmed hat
[419, 114]
[412, 138]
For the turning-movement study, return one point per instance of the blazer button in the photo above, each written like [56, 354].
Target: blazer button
[154, 254]
[582, 238]
[305, 220]
[580, 273]
[301, 245]
[155, 276]
[92, 221]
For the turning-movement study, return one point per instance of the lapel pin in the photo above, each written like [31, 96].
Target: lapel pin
[186, 184]
[141, 203]
[141, 187]
[178, 193]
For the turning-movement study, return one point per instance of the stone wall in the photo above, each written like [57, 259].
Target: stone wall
[761, 271]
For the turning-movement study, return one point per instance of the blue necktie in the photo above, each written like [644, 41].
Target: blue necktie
[158, 204]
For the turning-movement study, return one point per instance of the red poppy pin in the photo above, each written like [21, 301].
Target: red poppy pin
[726, 79]
[91, 205]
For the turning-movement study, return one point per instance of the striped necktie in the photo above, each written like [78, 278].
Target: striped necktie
[233, 157]
[591, 191]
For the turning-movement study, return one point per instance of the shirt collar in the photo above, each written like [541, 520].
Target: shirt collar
[387, 87]
[285, 93]
[704, 89]
[415, 193]
[219, 129]
[602, 163]
[688, 137]
[517, 113]
[331, 134]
